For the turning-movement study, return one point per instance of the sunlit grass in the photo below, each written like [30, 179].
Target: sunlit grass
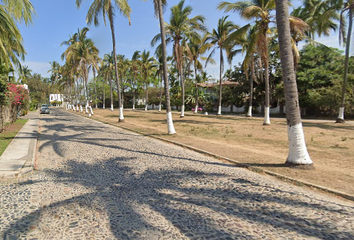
[10, 132]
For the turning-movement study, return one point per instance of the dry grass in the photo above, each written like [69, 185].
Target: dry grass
[246, 140]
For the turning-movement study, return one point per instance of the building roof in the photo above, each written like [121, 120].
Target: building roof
[224, 83]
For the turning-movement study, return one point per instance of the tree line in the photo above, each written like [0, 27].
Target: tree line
[264, 45]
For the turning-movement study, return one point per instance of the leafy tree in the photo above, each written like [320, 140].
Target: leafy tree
[318, 69]
[39, 90]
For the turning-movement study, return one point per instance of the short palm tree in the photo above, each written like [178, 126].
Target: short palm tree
[106, 8]
[298, 154]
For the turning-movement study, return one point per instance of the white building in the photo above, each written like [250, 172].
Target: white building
[56, 97]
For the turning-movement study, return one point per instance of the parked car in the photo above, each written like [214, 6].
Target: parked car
[45, 109]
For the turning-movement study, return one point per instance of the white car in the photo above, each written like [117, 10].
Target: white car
[45, 109]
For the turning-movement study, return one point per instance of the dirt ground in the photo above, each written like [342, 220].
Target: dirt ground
[246, 140]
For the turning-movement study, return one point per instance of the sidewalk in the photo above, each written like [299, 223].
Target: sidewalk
[19, 156]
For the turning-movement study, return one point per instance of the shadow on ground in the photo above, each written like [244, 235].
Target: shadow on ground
[173, 203]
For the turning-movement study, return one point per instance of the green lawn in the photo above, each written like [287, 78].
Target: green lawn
[9, 133]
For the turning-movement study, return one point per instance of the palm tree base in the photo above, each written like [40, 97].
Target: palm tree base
[340, 120]
[121, 120]
[266, 123]
[181, 116]
[300, 166]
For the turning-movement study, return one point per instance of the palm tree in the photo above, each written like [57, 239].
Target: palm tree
[107, 8]
[259, 10]
[108, 69]
[123, 68]
[250, 47]
[11, 41]
[195, 48]
[219, 38]
[135, 67]
[298, 154]
[159, 4]
[181, 26]
[83, 54]
[146, 65]
[24, 73]
[55, 72]
[349, 9]
[320, 15]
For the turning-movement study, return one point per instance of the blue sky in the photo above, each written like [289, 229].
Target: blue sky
[57, 19]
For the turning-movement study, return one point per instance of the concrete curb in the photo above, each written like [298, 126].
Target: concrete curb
[238, 164]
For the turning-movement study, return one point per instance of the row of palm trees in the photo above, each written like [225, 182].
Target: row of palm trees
[190, 40]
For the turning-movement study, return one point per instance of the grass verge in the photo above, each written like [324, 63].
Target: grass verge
[9, 133]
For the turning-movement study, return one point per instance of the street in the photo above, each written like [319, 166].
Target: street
[96, 181]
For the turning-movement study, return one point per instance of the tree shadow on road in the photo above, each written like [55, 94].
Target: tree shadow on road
[147, 194]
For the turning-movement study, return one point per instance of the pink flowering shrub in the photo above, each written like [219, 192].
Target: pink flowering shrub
[18, 95]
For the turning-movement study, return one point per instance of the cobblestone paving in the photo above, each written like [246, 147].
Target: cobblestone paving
[95, 181]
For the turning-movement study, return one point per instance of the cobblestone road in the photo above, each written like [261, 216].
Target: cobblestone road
[96, 181]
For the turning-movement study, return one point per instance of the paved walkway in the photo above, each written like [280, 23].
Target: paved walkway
[18, 158]
[96, 181]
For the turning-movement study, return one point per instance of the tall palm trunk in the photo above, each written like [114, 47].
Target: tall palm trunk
[94, 80]
[183, 97]
[121, 117]
[196, 89]
[133, 99]
[104, 95]
[134, 92]
[253, 76]
[180, 73]
[298, 154]
[160, 103]
[122, 94]
[220, 81]
[110, 82]
[170, 126]
[146, 96]
[266, 82]
[340, 118]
